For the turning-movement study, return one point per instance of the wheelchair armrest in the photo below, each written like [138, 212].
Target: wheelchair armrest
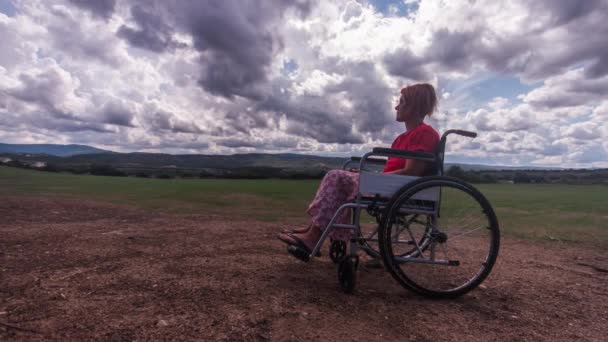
[393, 152]
[378, 161]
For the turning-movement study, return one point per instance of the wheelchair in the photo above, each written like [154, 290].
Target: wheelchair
[437, 236]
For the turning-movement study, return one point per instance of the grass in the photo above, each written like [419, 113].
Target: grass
[533, 211]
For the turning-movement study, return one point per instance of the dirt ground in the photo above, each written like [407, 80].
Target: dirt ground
[83, 270]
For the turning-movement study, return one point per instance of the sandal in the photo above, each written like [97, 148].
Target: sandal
[295, 231]
[296, 242]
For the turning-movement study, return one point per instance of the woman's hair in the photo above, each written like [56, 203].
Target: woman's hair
[420, 99]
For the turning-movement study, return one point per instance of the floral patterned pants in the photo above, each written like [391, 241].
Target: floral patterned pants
[337, 188]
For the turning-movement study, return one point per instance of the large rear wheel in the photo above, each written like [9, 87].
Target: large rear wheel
[455, 235]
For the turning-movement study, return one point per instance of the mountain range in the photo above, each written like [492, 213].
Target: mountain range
[50, 149]
[72, 155]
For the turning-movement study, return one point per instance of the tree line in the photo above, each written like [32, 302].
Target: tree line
[568, 176]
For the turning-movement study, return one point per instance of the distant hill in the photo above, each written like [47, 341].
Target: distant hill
[79, 155]
[188, 161]
[50, 149]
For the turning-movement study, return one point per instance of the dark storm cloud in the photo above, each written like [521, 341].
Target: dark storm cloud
[405, 64]
[565, 11]
[599, 67]
[117, 113]
[311, 116]
[243, 120]
[237, 40]
[529, 53]
[74, 126]
[152, 32]
[453, 50]
[100, 8]
[369, 94]
[323, 117]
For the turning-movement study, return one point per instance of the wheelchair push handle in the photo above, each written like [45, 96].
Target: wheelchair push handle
[461, 132]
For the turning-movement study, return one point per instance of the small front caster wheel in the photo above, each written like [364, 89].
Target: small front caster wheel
[347, 273]
[337, 251]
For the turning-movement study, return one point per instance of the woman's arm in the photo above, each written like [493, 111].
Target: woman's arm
[412, 168]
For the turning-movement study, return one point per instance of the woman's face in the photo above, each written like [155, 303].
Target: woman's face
[402, 113]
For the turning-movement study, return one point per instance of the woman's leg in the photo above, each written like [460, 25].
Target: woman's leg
[337, 188]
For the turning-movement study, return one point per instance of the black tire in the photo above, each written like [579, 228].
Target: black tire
[337, 251]
[347, 273]
[469, 253]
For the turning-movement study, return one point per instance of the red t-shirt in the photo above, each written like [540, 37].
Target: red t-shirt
[422, 138]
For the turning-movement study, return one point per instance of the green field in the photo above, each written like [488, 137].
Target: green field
[548, 212]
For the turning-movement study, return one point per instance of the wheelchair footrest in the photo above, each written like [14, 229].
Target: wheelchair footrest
[298, 252]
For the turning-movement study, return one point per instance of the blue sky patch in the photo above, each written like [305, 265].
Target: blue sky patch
[403, 9]
[289, 67]
[7, 7]
[479, 91]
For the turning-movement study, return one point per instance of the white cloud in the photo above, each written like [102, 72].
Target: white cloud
[67, 74]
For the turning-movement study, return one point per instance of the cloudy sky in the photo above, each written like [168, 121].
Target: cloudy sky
[305, 76]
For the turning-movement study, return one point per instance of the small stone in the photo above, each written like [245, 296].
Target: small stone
[514, 317]
[162, 323]
[483, 287]
[3, 313]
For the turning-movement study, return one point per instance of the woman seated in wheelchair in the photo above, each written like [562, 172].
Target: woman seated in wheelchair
[339, 186]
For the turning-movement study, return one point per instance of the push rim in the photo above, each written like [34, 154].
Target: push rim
[464, 237]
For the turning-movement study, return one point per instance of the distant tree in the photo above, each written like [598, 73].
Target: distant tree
[50, 168]
[537, 179]
[17, 163]
[205, 174]
[521, 177]
[488, 178]
[456, 172]
[165, 176]
[142, 174]
[106, 170]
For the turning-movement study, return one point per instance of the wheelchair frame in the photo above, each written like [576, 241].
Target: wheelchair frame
[385, 186]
